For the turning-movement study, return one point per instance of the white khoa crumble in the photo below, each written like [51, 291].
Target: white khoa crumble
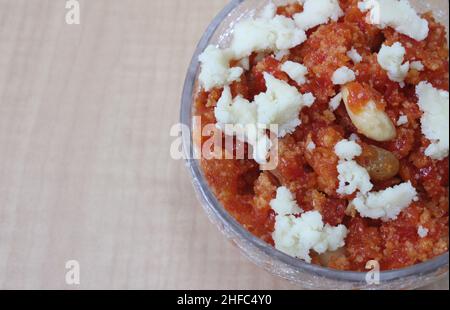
[296, 71]
[354, 56]
[269, 11]
[391, 58]
[311, 146]
[317, 12]
[242, 114]
[402, 120]
[347, 150]
[215, 68]
[387, 204]
[343, 75]
[352, 177]
[335, 102]
[297, 233]
[417, 65]
[308, 99]
[265, 33]
[281, 54]
[435, 119]
[297, 236]
[235, 111]
[354, 137]
[284, 203]
[422, 231]
[397, 14]
[245, 63]
[280, 104]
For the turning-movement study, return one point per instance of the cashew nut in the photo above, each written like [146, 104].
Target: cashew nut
[370, 121]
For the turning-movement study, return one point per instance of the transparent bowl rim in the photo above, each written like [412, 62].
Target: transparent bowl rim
[198, 177]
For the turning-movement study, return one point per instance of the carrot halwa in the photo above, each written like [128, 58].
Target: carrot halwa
[308, 161]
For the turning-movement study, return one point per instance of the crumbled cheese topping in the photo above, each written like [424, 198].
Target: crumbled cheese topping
[317, 12]
[263, 34]
[281, 104]
[261, 147]
[269, 11]
[434, 104]
[216, 71]
[397, 14]
[354, 55]
[347, 150]
[245, 63]
[422, 231]
[352, 177]
[335, 102]
[284, 203]
[296, 71]
[242, 114]
[297, 236]
[343, 75]
[387, 204]
[391, 58]
[417, 65]
[354, 137]
[235, 111]
[311, 146]
[280, 54]
[402, 120]
[308, 99]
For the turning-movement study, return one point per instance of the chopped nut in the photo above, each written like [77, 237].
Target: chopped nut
[381, 164]
[370, 121]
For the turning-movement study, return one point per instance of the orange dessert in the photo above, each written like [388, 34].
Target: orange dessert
[364, 168]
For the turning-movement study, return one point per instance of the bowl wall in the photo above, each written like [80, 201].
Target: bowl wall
[260, 253]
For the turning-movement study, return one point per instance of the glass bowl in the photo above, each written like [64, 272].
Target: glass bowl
[262, 254]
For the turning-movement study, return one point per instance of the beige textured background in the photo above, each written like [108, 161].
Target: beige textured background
[85, 171]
